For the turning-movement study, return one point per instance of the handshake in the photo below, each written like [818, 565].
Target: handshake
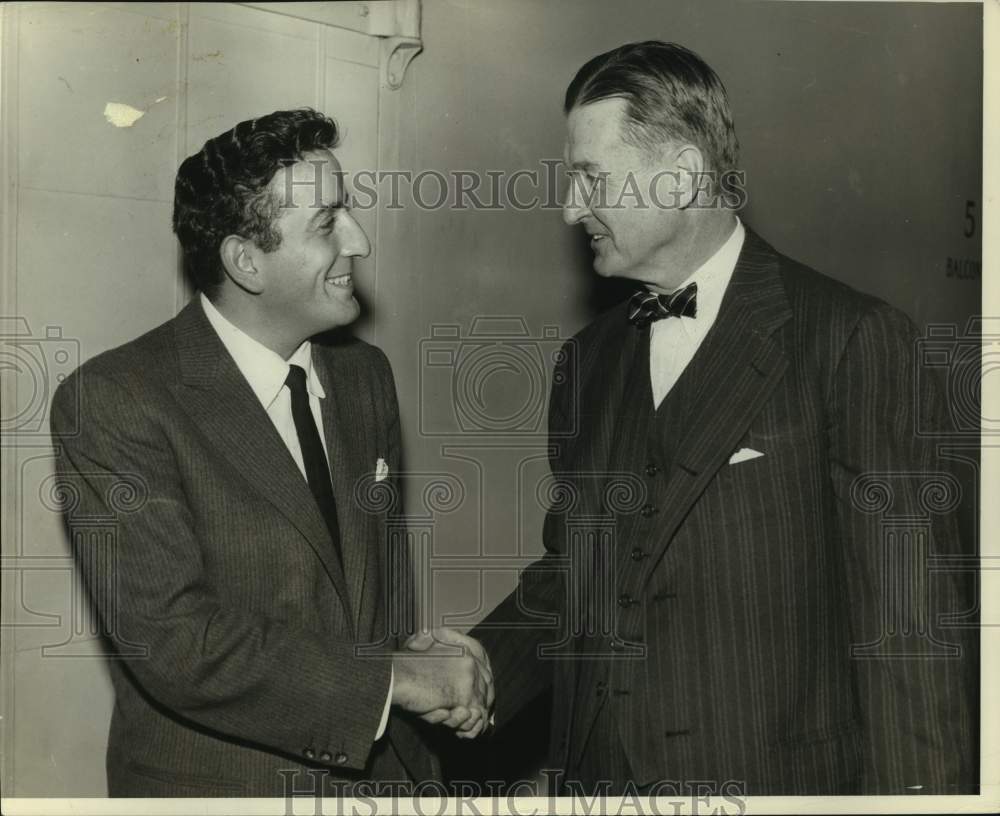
[445, 677]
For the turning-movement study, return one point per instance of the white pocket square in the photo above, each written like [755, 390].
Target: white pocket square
[744, 455]
[381, 470]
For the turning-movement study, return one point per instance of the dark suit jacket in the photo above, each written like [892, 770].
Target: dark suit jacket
[235, 629]
[764, 577]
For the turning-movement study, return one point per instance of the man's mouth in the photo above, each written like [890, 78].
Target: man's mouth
[344, 281]
[596, 239]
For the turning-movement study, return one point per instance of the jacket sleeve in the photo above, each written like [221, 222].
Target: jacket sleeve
[895, 513]
[231, 670]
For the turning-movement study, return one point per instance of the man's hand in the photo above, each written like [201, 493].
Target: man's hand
[446, 678]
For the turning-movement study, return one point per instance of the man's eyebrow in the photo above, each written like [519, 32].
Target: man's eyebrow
[325, 211]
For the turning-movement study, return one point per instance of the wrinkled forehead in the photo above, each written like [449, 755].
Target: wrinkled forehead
[315, 181]
[593, 131]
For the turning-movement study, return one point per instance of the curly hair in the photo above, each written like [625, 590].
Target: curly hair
[671, 94]
[223, 188]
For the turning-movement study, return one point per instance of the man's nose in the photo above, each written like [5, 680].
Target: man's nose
[355, 242]
[575, 207]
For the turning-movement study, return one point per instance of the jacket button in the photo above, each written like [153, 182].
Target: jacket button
[309, 753]
[638, 554]
[647, 510]
[325, 756]
[341, 758]
[651, 469]
[625, 601]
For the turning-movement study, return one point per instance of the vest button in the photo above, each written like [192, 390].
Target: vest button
[625, 601]
[638, 554]
[651, 469]
[648, 510]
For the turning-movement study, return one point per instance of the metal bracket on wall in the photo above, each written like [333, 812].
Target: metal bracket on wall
[395, 22]
[397, 53]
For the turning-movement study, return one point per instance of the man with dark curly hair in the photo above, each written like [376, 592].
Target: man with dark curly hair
[251, 595]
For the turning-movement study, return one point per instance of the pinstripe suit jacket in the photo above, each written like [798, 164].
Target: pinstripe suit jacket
[233, 624]
[760, 580]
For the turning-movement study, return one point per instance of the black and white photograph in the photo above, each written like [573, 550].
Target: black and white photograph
[499, 406]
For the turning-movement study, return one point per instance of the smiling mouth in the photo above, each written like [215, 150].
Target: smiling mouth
[343, 281]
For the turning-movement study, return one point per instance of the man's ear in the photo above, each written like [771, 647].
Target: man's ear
[238, 260]
[693, 182]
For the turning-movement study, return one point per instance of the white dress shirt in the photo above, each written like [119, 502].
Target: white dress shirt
[266, 373]
[674, 341]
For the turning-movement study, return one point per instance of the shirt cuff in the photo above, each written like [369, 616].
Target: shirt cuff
[385, 711]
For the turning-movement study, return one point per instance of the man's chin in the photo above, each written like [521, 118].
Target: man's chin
[605, 269]
[344, 315]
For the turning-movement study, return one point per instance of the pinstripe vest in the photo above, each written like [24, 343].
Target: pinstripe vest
[642, 453]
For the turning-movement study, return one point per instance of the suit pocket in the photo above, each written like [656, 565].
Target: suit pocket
[147, 780]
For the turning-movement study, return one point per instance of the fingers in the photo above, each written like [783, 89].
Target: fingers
[473, 647]
[473, 726]
[420, 642]
[460, 715]
[490, 694]
[451, 637]
[460, 670]
[437, 716]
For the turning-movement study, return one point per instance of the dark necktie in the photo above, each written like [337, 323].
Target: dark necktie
[317, 471]
[647, 307]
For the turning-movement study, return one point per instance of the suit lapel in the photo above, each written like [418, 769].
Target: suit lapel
[220, 401]
[603, 373]
[731, 378]
[348, 417]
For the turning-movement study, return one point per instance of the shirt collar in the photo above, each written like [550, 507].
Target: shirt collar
[263, 369]
[721, 265]
[712, 278]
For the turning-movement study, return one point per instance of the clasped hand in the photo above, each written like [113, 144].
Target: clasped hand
[445, 677]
